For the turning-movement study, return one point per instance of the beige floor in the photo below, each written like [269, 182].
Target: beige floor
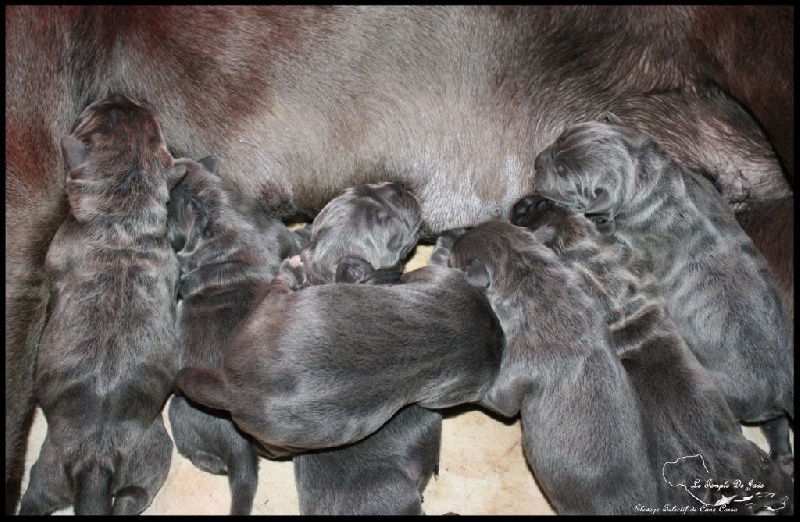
[482, 471]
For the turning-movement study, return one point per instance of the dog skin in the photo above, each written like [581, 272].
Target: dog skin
[582, 430]
[291, 377]
[300, 103]
[226, 261]
[719, 290]
[385, 473]
[109, 351]
[685, 412]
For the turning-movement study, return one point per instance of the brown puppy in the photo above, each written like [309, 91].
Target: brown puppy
[109, 352]
[303, 102]
[582, 428]
[226, 260]
[686, 414]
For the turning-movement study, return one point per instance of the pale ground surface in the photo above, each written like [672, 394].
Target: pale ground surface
[482, 471]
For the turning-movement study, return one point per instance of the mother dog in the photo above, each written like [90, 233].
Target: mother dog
[453, 102]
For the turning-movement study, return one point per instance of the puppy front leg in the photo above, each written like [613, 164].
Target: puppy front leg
[291, 276]
[440, 255]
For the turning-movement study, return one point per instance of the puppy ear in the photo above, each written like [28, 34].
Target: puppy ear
[75, 152]
[204, 386]
[610, 117]
[352, 270]
[176, 174]
[210, 163]
[477, 274]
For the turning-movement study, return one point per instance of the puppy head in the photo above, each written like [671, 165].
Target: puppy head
[194, 203]
[590, 169]
[377, 222]
[116, 153]
[500, 255]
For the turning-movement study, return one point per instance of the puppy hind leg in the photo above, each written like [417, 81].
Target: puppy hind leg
[776, 431]
[145, 471]
[242, 476]
[48, 488]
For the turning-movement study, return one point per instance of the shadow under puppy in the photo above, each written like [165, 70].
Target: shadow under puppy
[109, 352]
[226, 261]
[331, 364]
[369, 226]
[685, 412]
[719, 290]
[582, 429]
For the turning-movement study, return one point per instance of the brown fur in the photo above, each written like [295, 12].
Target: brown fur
[305, 101]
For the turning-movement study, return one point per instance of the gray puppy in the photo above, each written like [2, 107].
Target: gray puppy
[329, 365]
[371, 225]
[109, 353]
[226, 260]
[583, 433]
[719, 290]
[378, 222]
[685, 412]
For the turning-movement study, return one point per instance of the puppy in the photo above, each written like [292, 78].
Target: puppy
[378, 222]
[719, 290]
[109, 352]
[685, 412]
[583, 433]
[329, 365]
[386, 472]
[226, 260]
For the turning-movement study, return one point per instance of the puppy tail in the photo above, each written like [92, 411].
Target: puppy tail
[204, 386]
[93, 489]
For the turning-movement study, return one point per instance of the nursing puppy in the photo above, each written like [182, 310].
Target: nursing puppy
[582, 430]
[329, 365]
[719, 290]
[367, 226]
[686, 414]
[300, 103]
[109, 353]
[378, 222]
[226, 260]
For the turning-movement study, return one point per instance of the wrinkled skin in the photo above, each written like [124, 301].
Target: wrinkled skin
[452, 102]
[685, 413]
[718, 287]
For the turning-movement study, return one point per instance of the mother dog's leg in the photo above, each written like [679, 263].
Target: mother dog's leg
[38, 113]
[749, 52]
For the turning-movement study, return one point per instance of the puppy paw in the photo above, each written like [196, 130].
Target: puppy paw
[444, 243]
[292, 273]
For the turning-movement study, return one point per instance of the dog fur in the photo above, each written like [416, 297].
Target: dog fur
[367, 226]
[685, 412]
[226, 259]
[109, 351]
[719, 290]
[300, 103]
[314, 369]
[582, 428]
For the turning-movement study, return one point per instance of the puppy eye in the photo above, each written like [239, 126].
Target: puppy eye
[561, 170]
